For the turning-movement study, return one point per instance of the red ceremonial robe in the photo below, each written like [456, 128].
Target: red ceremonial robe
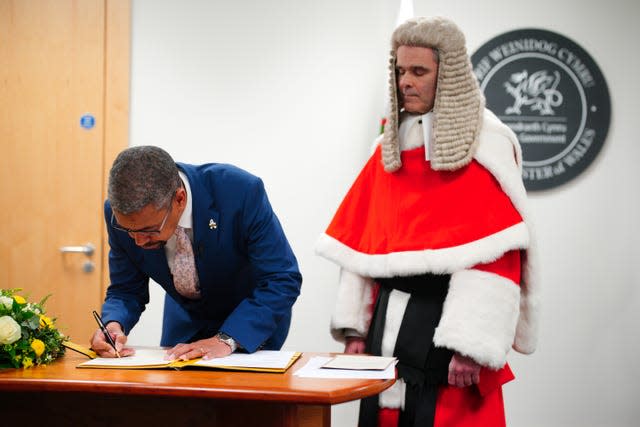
[419, 210]
[417, 221]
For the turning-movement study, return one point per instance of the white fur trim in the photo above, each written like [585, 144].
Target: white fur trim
[497, 150]
[393, 397]
[479, 317]
[396, 307]
[438, 261]
[353, 305]
[526, 338]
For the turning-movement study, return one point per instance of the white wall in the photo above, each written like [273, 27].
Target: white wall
[292, 90]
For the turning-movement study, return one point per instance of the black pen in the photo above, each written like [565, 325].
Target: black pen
[105, 332]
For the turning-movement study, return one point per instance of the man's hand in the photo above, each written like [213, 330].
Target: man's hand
[354, 345]
[207, 349]
[463, 371]
[100, 345]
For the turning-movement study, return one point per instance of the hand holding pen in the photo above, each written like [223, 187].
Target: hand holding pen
[102, 339]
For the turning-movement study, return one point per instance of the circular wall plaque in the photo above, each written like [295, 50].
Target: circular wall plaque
[551, 93]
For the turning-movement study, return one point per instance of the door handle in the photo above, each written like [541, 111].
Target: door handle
[87, 249]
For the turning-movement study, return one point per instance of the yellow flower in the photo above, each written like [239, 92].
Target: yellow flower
[27, 362]
[45, 322]
[37, 346]
[19, 299]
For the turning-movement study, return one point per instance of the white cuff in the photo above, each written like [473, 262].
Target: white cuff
[393, 397]
[353, 305]
[479, 317]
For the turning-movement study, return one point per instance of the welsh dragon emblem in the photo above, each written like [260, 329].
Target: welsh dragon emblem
[536, 91]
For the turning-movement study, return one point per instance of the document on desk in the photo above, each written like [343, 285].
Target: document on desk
[143, 358]
[263, 360]
[154, 358]
[315, 369]
[359, 362]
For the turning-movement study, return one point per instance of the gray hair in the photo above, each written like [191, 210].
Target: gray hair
[458, 105]
[140, 176]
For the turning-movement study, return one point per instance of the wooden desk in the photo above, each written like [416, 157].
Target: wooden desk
[62, 395]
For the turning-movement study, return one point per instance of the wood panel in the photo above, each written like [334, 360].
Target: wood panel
[66, 395]
[63, 376]
[59, 60]
[116, 100]
[76, 409]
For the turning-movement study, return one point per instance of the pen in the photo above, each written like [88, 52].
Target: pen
[105, 332]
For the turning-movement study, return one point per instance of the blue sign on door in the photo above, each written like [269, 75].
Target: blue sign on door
[87, 121]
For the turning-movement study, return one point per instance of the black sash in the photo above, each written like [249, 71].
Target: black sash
[422, 366]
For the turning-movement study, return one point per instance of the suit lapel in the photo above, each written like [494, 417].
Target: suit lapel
[155, 261]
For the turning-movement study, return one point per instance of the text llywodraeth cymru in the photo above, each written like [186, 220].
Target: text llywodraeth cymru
[540, 132]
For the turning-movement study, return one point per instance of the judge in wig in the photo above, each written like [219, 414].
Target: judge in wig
[434, 243]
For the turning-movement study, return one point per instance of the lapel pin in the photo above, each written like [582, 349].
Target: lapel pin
[212, 224]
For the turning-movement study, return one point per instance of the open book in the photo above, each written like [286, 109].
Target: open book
[153, 358]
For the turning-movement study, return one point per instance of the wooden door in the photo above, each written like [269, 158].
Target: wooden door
[64, 72]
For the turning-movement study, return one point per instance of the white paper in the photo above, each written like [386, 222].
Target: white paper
[313, 369]
[359, 362]
[142, 357]
[270, 359]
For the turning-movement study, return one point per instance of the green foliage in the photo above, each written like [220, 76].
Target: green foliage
[27, 336]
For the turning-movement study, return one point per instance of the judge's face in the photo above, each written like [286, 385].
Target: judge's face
[417, 76]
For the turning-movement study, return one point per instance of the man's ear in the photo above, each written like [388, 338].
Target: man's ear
[181, 197]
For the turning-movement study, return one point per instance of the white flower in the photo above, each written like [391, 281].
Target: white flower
[31, 307]
[9, 330]
[7, 302]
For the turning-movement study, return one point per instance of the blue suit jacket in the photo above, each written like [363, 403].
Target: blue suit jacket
[249, 276]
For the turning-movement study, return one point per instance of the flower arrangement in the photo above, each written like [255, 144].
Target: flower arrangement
[27, 336]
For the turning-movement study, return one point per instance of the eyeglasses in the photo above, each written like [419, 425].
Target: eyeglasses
[143, 232]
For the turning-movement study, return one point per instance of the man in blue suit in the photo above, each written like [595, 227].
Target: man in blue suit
[242, 277]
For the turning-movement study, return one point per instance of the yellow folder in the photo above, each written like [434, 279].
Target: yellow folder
[154, 358]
